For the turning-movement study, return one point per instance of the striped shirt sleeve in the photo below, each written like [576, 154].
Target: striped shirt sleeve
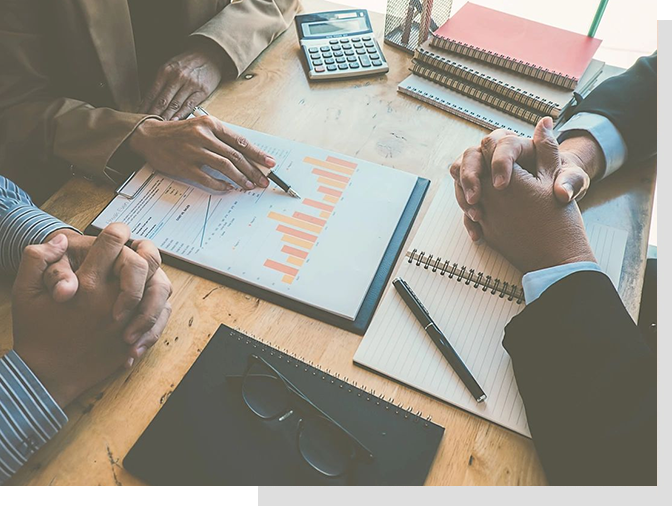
[29, 417]
[21, 224]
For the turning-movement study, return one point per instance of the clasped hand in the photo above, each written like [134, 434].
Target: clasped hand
[83, 307]
[515, 194]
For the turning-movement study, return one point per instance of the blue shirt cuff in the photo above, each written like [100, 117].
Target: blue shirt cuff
[29, 416]
[605, 134]
[537, 282]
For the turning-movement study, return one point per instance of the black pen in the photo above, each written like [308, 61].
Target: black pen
[199, 111]
[439, 339]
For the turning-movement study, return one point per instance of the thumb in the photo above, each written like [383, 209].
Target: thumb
[571, 183]
[35, 260]
[546, 147]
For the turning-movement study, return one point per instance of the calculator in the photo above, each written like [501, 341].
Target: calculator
[339, 44]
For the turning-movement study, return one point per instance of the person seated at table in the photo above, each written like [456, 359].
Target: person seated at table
[82, 307]
[586, 376]
[98, 85]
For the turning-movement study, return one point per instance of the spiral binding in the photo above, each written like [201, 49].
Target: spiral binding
[469, 276]
[343, 383]
[464, 72]
[526, 68]
[458, 110]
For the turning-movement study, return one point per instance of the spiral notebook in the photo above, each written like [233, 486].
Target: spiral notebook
[205, 434]
[540, 51]
[472, 292]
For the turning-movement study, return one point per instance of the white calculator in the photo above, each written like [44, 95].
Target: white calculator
[339, 44]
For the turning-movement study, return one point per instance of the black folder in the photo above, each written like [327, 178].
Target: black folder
[205, 434]
[372, 298]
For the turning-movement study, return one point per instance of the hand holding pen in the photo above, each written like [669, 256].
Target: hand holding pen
[182, 148]
[266, 171]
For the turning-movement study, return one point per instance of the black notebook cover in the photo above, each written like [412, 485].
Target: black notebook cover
[373, 296]
[206, 435]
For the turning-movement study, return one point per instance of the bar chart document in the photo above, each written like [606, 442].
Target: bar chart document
[322, 250]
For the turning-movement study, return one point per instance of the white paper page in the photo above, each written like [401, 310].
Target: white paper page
[397, 346]
[322, 250]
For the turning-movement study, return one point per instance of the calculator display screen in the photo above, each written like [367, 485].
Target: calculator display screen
[335, 27]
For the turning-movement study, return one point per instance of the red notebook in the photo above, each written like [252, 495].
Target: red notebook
[534, 49]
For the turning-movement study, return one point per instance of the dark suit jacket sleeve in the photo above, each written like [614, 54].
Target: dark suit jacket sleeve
[630, 102]
[588, 382]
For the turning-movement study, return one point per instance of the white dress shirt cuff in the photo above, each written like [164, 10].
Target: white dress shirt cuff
[604, 132]
[536, 282]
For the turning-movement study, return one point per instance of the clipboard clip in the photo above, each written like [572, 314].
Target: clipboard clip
[132, 193]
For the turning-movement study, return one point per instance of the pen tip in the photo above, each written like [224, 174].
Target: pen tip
[293, 194]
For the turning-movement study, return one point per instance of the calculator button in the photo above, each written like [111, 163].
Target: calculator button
[374, 57]
[312, 50]
[368, 44]
[377, 63]
[336, 48]
[340, 59]
[333, 41]
[338, 53]
[319, 68]
[344, 41]
[316, 56]
[358, 46]
[354, 65]
[325, 48]
[331, 68]
[371, 50]
[349, 52]
[352, 58]
[364, 61]
[366, 38]
[343, 66]
[347, 46]
[329, 61]
[355, 39]
[360, 51]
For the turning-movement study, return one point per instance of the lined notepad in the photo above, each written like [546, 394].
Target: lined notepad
[472, 292]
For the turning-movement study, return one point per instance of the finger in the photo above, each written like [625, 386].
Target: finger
[546, 147]
[571, 183]
[100, 259]
[455, 168]
[164, 101]
[60, 280]
[189, 105]
[240, 143]
[252, 172]
[226, 167]
[131, 269]
[148, 250]
[153, 302]
[178, 102]
[506, 153]
[150, 97]
[35, 260]
[470, 174]
[198, 176]
[473, 229]
[474, 212]
[488, 144]
[150, 338]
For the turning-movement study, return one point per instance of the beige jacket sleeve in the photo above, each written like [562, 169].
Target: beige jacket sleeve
[245, 28]
[34, 119]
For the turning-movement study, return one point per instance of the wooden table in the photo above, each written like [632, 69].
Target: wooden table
[364, 118]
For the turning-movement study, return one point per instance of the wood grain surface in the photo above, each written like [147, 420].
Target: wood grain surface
[364, 118]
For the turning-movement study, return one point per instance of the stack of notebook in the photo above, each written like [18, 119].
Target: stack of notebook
[502, 71]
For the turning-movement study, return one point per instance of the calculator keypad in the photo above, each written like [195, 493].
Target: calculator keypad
[344, 56]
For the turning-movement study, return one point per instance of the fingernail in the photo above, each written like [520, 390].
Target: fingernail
[263, 182]
[58, 240]
[569, 189]
[269, 161]
[141, 351]
[472, 214]
[174, 118]
[470, 194]
[123, 315]
[129, 362]
[547, 122]
[499, 181]
[473, 235]
[249, 185]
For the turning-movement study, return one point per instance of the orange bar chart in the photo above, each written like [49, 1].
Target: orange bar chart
[301, 230]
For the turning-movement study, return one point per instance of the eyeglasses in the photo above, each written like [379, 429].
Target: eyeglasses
[322, 442]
